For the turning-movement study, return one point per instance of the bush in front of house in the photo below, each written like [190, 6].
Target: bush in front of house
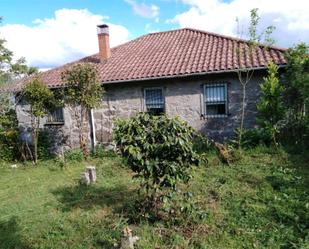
[251, 138]
[160, 151]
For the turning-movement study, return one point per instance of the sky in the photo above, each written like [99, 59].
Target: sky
[49, 33]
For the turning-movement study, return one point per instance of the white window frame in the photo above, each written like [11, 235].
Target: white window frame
[154, 88]
[214, 84]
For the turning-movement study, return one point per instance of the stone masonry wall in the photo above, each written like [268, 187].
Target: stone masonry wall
[183, 98]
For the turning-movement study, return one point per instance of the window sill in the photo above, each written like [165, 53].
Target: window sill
[54, 123]
[215, 116]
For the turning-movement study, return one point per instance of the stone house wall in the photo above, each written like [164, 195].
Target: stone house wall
[183, 98]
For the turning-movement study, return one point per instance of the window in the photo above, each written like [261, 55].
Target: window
[154, 100]
[215, 97]
[56, 117]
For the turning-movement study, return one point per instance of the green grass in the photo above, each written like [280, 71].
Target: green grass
[261, 201]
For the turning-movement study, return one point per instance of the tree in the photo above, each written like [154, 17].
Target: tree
[159, 150]
[245, 74]
[10, 70]
[297, 75]
[271, 106]
[41, 102]
[83, 92]
[297, 93]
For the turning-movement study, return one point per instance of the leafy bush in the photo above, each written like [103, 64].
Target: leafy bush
[159, 149]
[8, 119]
[251, 138]
[75, 155]
[43, 145]
[202, 144]
[271, 107]
[9, 145]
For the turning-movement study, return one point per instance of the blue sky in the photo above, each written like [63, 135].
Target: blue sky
[52, 32]
[119, 12]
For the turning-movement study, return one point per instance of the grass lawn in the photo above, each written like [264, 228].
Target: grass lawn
[261, 201]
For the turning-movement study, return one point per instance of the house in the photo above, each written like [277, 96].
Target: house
[185, 72]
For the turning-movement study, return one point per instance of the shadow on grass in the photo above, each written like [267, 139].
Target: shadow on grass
[87, 197]
[10, 237]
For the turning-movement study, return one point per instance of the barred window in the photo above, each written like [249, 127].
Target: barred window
[215, 98]
[56, 117]
[154, 100]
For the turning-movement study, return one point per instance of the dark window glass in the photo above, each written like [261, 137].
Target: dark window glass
[215, 100]
[154, 100]
[56, 116]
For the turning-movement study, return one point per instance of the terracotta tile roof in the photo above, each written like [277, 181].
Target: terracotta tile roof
[170, 54]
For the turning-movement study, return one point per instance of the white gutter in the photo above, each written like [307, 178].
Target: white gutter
[93, 138]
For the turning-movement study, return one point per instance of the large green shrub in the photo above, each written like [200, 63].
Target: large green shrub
[158, 149]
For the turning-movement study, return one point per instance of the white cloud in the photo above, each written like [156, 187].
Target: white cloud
[69, 35]
[144, 10]
[290, 18]
[150, 29]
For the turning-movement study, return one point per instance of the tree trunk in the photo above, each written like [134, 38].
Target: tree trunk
[242, 114]
[35, 141]
[83, 141]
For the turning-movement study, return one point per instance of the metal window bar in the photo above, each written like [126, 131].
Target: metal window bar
[56, 116]
[215, 98]
[154, 99]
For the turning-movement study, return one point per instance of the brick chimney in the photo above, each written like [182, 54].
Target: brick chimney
[103, 38]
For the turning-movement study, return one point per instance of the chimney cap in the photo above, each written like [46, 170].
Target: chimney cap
[103, 29]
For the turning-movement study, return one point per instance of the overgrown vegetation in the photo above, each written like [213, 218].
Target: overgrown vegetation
[10, 70]
[282, 116]
[82, 91]
[41, 102]
[245, 73]
[259, 202]
[296, 128]
[271, 106]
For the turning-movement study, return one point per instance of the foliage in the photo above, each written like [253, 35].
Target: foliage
[202, 144]
[252, 138]
[41, 101]
[297, 75]
[158, 149]
[44, 145]
[296, 128]
[39, 97]
[270, 107]
[83, 92]
[245, 74]
[180, 208]
[226, 153]
[9, 71]
[9, 144]
[8, 119]
[74, 155]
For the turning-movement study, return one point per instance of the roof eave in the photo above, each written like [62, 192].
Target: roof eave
[183, 75]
